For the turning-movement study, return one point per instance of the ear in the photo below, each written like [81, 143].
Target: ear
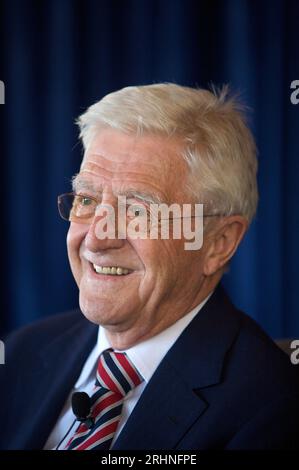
[223, 241]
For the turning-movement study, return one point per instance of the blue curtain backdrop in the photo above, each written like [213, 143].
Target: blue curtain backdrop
[57, 57]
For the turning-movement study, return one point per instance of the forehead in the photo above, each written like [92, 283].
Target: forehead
[146, 163]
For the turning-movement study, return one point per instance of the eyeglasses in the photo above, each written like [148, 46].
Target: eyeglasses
[81, 208]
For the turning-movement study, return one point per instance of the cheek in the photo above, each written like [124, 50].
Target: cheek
[75, 236]
[159, 258]
[184, 262]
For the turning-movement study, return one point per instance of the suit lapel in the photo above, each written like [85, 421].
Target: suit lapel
[166, 409]
[171, 402]
[53, 384]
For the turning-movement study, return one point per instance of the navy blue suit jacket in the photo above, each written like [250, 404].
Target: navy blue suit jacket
[223, 385]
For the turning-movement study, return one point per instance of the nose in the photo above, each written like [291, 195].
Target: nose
[103, 231]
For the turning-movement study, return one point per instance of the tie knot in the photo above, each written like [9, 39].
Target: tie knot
[117, 373]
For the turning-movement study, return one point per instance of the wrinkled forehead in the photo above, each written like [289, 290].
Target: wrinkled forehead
[148, 163]
[98, 186]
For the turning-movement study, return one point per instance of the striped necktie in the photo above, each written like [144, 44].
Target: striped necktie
[116, 376]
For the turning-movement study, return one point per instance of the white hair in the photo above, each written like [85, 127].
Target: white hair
[218, 145]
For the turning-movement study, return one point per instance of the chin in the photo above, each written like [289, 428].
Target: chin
[93, 311]
[101, 313]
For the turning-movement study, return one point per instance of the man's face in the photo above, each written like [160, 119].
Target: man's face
[164, 279]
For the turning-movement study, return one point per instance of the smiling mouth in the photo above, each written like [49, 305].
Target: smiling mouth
[111, 270]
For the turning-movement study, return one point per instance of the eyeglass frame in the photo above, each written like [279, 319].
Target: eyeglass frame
[74, 194]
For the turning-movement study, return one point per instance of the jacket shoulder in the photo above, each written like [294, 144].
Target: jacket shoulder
[39, 333]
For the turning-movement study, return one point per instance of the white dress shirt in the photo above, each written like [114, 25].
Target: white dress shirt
[146, 356]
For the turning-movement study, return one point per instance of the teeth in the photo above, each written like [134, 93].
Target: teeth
[112, 270]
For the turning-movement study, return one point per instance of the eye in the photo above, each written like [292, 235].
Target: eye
[83, 206]
[136, 210]
[85, 201]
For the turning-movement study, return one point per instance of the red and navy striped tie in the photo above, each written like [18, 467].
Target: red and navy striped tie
[116, 376]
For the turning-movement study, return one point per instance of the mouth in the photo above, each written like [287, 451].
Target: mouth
[115, 271]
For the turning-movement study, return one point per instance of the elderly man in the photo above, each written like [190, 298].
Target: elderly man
[164, 358]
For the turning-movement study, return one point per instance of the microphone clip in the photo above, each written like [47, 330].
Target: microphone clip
[89, 421]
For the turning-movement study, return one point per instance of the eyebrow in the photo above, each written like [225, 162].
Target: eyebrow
[141, 195]
[146, 196]
[80, 183]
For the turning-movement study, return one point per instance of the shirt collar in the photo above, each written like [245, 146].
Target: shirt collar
[147, 355]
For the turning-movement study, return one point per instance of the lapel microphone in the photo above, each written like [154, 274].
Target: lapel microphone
[81, 406]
